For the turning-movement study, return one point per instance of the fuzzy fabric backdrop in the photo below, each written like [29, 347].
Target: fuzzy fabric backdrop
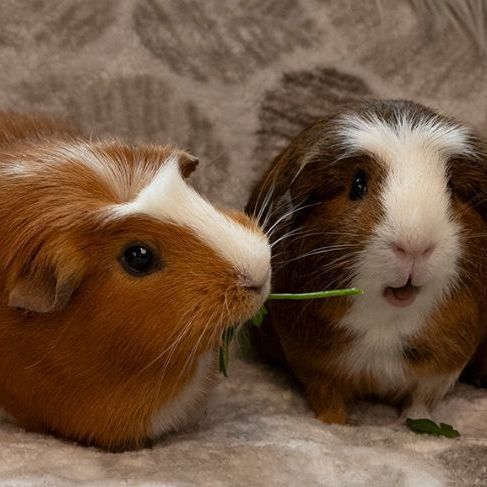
[232, 82]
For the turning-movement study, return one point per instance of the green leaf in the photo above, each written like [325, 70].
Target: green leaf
[259, 318]
[427, 426]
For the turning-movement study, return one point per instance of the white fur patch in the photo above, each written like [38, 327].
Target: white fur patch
[181, 410]
[169, 198]
[404, 137]
[417, 215]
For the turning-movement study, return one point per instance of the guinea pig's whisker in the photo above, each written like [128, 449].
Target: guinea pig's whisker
[295, 233]
[475, 280]
[168, 352]
[176, 343]
[267, 199]
[191, 356]
[215, 323]
[315, 232]
[267, 211]
[478, 199]
[320, 251]
[472, 262]
[279, 204]
[286, 215]
[275, 225]
[327, 248]
[211, 322]
[278, 210]
[330, 267]
[339, 261]
[343, 234]
[343, 280]
[275, 258]
[290, 210]
[334, 265]
[275, 211]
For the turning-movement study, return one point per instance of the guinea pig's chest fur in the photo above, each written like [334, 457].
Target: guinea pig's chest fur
[381, 337]
[377, 353]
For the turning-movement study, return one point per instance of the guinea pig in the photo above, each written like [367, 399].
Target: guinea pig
[388, 197]
[117, 280]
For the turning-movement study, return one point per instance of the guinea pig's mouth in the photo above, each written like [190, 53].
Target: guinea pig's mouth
[401, 297]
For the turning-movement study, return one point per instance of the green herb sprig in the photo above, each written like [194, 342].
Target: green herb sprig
[259, 317]
[426, 426]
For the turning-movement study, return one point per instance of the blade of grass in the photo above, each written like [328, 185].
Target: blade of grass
[315, 295]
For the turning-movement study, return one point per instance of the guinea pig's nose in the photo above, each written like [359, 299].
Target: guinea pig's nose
[403, 250]
[253, 284]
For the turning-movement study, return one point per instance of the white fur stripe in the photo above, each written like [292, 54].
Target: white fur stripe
[391, 140]
[169, 198]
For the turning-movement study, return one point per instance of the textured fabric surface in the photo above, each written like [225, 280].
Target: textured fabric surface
[232, 82]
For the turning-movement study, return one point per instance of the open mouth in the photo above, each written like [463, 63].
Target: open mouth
[401, 296]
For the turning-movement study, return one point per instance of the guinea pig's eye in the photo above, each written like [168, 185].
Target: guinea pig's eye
[359, 186]
[140, 260]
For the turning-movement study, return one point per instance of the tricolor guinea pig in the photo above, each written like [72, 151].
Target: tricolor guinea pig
[117, 280]
[389, 197]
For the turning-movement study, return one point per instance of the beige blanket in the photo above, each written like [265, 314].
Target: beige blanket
[232, 81]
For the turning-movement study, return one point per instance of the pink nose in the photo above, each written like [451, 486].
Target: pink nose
[404, 250]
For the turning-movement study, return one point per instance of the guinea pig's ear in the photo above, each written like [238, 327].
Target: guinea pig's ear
[187, 163]
[45, 290]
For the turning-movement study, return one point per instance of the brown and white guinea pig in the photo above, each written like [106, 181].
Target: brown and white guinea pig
[389, 197]
[116, 282]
